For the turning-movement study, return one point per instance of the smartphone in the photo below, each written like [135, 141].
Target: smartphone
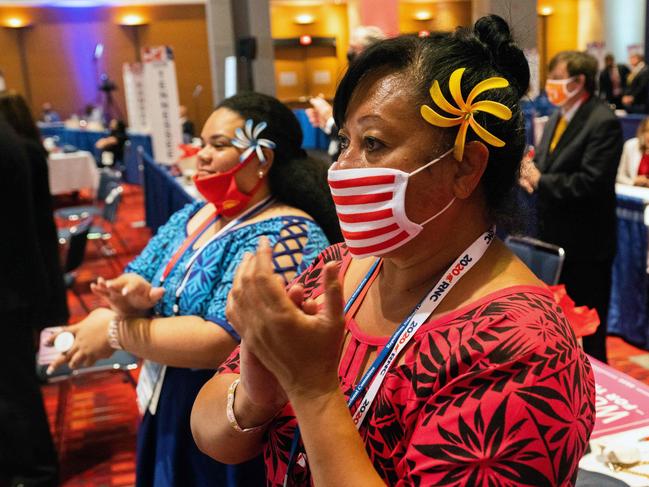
[46, 354]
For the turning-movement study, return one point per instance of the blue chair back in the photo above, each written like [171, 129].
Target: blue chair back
[77, 245]
[112, 201]
[544, 259]
[107, 179]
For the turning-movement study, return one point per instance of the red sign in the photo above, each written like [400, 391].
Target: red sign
[621, 402]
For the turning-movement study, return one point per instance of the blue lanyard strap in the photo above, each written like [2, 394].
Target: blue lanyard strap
[252, 212]
[350, 302]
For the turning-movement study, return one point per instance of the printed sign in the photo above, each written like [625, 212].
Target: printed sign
[133, 75]
[162, 106]
[621, 402]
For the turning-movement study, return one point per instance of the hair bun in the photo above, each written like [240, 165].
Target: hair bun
[493, 31]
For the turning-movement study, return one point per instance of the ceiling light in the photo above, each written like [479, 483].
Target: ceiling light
[304, 19]
[423, 15]
[132, 19]
[15, 23]
[545, 11]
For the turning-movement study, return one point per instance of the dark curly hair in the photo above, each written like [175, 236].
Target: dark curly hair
[486, 50]
[295, 178]
[17, 113]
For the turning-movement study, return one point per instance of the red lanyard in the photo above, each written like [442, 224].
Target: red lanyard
[189, 241]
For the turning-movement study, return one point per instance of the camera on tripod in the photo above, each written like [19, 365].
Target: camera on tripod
[106, 84]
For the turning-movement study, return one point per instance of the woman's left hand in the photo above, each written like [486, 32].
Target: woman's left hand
[90, 341]
[299, 345]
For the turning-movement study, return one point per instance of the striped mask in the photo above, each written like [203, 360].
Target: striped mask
[370, 203]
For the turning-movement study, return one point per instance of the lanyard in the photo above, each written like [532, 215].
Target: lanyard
[404, 333]
[255, 210]
[189, 242]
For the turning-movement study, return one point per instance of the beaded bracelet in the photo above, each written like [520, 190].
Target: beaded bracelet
[113, 333]
[229, 411]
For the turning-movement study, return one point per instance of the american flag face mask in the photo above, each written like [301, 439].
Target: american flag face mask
[370, 203]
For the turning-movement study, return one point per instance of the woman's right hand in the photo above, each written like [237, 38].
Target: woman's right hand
[262, 388]
[128, 294]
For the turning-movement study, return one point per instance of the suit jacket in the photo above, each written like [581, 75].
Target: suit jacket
[23, 278]
[606, 85]
[576, 193]
[52, 307]
[638, 88]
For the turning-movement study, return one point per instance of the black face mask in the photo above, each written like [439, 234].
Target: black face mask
[351, 55]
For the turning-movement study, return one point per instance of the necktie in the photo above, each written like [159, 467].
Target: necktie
[558, 132]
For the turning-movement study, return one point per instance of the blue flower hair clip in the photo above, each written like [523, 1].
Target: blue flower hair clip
[248, 140]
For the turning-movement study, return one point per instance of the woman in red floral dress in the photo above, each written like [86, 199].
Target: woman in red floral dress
[421, 351]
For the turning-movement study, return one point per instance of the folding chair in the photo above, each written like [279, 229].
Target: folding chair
[75, 238]
[103, 231]
[107, 179]
[544, 259]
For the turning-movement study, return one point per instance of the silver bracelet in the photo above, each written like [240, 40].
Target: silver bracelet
[113, 333]
[229, 412]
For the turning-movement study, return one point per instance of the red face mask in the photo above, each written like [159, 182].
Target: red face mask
[221, 190]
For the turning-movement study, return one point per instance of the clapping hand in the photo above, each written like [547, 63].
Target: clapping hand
[320, 112]
[530, 175]
[295, 342]
[128, 294]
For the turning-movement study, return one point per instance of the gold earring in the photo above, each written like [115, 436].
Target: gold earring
[260, 174]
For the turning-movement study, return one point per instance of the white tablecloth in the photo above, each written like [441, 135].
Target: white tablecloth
[72, 172]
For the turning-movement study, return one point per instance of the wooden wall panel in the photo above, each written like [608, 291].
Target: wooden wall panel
[10, 59]
[330, 21]
[446, 16]
[60, 43]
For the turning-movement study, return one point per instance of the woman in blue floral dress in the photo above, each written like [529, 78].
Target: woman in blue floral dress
[169, 305]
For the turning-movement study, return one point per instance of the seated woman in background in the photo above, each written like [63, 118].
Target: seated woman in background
[634, 163]
[112, 147]
[450, 357]
[169, 306]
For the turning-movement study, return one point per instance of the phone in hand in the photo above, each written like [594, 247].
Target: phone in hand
[46, 353]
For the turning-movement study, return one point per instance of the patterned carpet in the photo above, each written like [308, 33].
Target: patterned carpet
[98, 442]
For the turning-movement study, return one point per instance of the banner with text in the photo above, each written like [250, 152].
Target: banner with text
[161, 94]
[621, 402]
[133, 76]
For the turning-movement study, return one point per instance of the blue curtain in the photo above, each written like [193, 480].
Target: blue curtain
[628, 315]
[163, 195]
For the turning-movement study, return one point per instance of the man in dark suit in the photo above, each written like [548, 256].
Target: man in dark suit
[573, 177]
[636, 95]
[612, 81]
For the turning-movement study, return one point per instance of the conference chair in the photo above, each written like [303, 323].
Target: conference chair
[544, 259]
[107, 179]
[103, 230]
[75, 238]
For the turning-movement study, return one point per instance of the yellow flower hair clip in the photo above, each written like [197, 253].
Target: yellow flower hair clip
[465, 110]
